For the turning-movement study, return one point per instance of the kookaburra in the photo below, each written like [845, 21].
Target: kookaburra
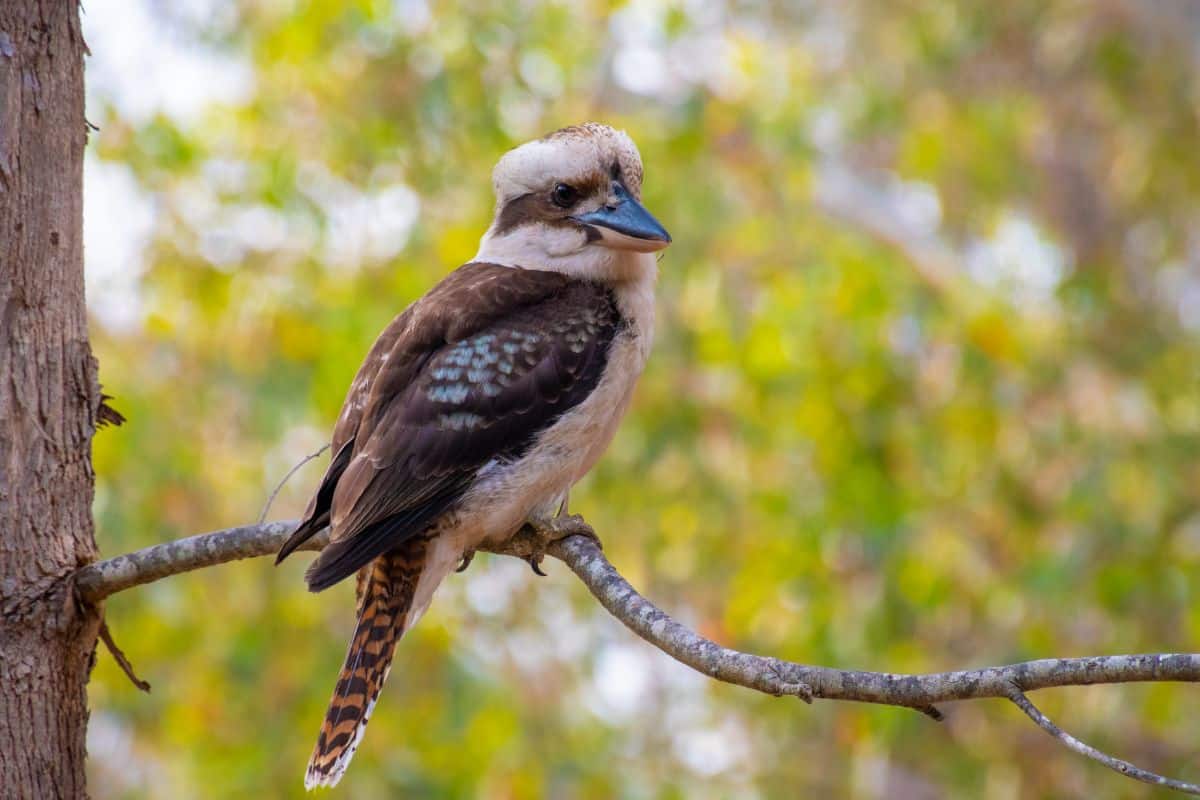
[483, 402]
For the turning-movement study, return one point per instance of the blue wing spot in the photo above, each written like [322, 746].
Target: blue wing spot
[460, 421]
[449, 393]
[447, 374]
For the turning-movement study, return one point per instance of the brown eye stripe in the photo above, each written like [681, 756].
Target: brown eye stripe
[517, 212]
[538, 206]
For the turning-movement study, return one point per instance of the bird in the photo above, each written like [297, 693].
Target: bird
[482, 403]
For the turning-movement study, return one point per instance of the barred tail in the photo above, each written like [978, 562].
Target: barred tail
[388, 588]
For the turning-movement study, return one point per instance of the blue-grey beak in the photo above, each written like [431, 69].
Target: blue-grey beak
[625, 224]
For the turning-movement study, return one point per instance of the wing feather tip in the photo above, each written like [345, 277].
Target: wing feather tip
[320, 575]
[304, 531]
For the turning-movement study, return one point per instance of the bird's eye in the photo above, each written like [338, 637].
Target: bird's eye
[564, 196]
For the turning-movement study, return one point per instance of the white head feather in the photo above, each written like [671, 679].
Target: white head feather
[581, 155]
[569, 155]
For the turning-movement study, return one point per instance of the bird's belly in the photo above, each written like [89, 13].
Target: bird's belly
[507, 493]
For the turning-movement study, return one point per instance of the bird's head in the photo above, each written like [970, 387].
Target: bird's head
[571, 201]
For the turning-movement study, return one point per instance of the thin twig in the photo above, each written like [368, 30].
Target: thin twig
[106, 414]
[1124, 767]
[267, 507]
[119, 656]
[763, 673]
[933, 712]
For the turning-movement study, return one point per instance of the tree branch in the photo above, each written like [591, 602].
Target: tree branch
[1123, 767]
[762, 673]
[97, 581]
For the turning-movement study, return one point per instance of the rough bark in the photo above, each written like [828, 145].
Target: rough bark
[48, 402]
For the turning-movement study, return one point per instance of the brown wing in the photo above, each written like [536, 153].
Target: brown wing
[506, 364]
[471, 297]
[316, 516]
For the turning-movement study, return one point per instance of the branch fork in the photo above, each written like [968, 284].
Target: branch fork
[572, 541]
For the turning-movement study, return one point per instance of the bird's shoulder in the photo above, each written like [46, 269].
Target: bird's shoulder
[471, 300]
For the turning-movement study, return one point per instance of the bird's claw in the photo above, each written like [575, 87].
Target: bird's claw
[467, 557]
[546, 532]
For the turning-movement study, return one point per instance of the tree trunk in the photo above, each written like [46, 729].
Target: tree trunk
[48, 404]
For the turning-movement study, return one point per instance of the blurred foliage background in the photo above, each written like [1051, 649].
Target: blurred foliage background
[925, 393]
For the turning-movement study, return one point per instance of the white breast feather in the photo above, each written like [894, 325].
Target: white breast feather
[505, 495]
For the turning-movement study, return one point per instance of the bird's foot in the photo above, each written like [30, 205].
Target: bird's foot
[467, 558]
[543, 533]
